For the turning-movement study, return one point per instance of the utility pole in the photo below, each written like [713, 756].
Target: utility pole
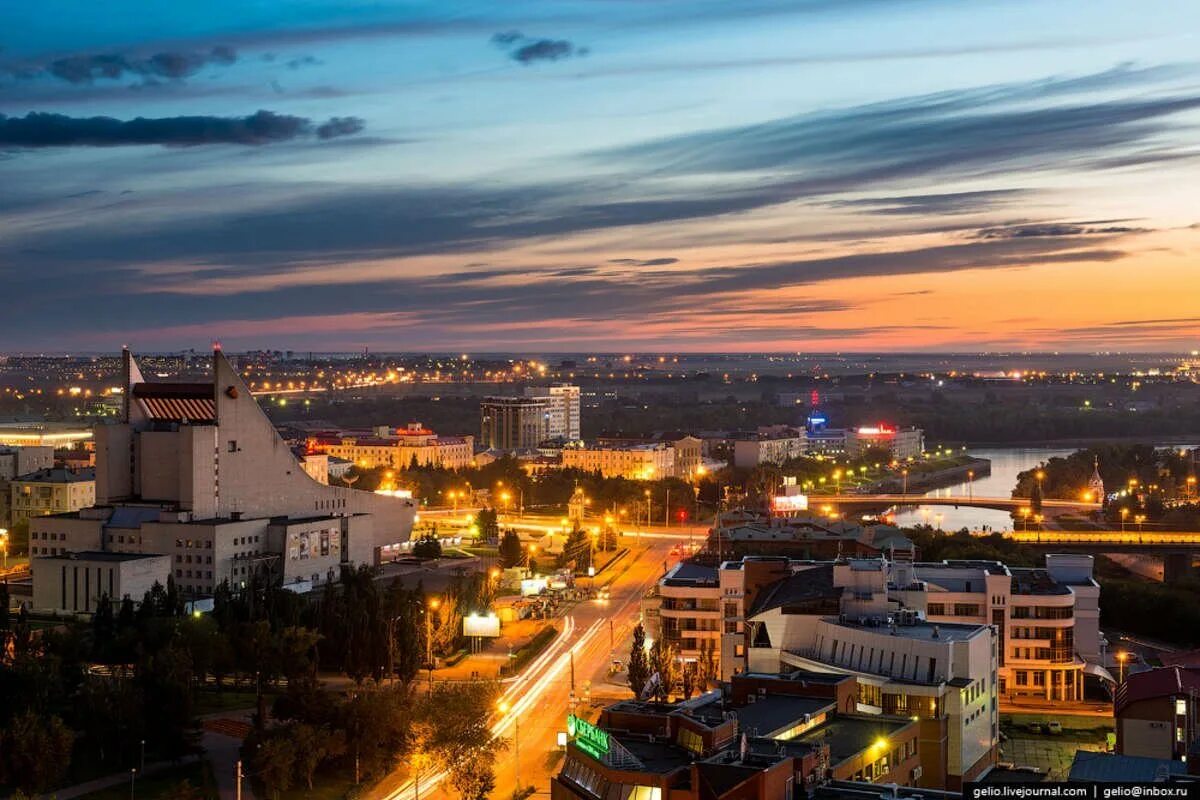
[667, 509]
[132, 776]
[238, 775]
[572, 654]
[517, 751]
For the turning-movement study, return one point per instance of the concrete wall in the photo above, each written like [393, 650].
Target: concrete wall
[75, 585]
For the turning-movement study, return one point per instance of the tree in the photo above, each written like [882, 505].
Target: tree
[475, 776]
[4, 609]
[35, 751]
[428, 546]
[489, 524]
[638, 667]
[510, 550]
[709, 672]
[664, 662]
[313, 746]
[690, 678]
[275, 763]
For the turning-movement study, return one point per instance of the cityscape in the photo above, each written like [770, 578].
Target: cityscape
[599, 400]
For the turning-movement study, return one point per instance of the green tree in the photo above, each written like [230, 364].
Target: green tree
[428, 546]
[488, 523]
[638, 668]
[664, 660]
[314, 746]
[510, 550]
[474, 778]
[275, 763]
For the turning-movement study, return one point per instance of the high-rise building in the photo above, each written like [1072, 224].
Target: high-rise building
[513, 423]
[563, 406]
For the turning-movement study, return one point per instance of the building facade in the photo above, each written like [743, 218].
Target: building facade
[513, 423]
[562, 401]
[73, 583]
[750, 450]
[1157, 713]
[396, 449]
[648, 461]
[54, 490]
[197, 473]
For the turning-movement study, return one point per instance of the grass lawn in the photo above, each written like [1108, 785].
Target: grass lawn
[198, 774]
[210, 701]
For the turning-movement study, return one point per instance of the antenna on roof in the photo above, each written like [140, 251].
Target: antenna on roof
[216, 345]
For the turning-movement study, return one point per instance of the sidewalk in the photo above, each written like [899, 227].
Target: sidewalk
[116, 779]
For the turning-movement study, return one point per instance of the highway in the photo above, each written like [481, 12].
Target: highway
[976, 501]
[540, 698]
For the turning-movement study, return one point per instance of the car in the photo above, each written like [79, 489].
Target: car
[1054, 727]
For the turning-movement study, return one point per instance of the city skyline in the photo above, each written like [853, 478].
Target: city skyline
[589, 175]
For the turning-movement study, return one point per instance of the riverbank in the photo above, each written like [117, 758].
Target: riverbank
[1080, 443]
[919, 482]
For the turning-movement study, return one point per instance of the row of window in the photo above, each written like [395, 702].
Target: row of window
[188, 559]
[187, 573]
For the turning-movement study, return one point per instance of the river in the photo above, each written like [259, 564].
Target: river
[1006, 463]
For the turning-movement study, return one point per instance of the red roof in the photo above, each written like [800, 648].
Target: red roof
[1155, 683]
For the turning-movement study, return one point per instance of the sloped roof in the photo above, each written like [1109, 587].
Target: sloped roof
[809, 584]
[1110, 767]
[1161, 682]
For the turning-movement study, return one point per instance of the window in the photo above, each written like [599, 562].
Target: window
[233, 445]
[1180, 707]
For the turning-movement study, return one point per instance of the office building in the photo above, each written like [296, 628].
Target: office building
[768, 447]
[689, 459]
[562, 401]
[53, 490]
[768, 737]
[635, 461]
[898, 443]
[508, 424]
[1047, 620]
[197, 472]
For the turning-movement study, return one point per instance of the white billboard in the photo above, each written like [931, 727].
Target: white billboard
[487, 625]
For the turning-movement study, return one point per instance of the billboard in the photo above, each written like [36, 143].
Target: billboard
[790, 503]
[487, 625]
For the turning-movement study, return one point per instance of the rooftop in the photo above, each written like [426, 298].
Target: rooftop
[1155, 683]
[100, 555]
[777, 713]
[1030, 581]
[58, 475]
[851, 734]
[922, 631]
[1110, 767]
[688, 573]
[815, 583]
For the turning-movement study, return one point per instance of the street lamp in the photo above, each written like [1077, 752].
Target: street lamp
[504, 709]
[433, 605]
[4, 545]
[904, 476]
[971, 485]
[1124, 514]
[1122, 657]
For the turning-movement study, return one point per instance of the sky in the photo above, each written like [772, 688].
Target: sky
[601, 175]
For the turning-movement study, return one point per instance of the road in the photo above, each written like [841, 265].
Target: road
[541, 697]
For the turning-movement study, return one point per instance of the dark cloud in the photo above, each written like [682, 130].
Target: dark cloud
[920, 204]
[649, 262]
[91, 67]
[967, 132]
[529, 50]
[1053, 229]
[37, 130]
[340, 126]
[303, 61]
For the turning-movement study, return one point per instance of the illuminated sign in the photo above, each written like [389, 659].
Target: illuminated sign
[486, 625]
[588, 737]
[791, 502]
[877, 430]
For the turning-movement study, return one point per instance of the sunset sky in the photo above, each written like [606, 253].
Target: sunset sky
[537, 175]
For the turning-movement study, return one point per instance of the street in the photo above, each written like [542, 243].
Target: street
[540, 698]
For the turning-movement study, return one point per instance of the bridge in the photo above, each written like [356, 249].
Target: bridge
[1177, 549]
[970, 500]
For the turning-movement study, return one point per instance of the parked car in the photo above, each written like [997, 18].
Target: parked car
[1054, 727]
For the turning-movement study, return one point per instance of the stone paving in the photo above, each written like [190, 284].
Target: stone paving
[1051, 754]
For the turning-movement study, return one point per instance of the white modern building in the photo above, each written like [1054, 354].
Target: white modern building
[562, 401]
[74, 583]
[774, 447]
[196, 472]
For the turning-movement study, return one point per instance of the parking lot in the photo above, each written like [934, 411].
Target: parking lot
[1051, 753]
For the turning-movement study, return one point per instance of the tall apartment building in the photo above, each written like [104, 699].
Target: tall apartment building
[635, 461]
[562, 400]
[196, 472]
[513, 423]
